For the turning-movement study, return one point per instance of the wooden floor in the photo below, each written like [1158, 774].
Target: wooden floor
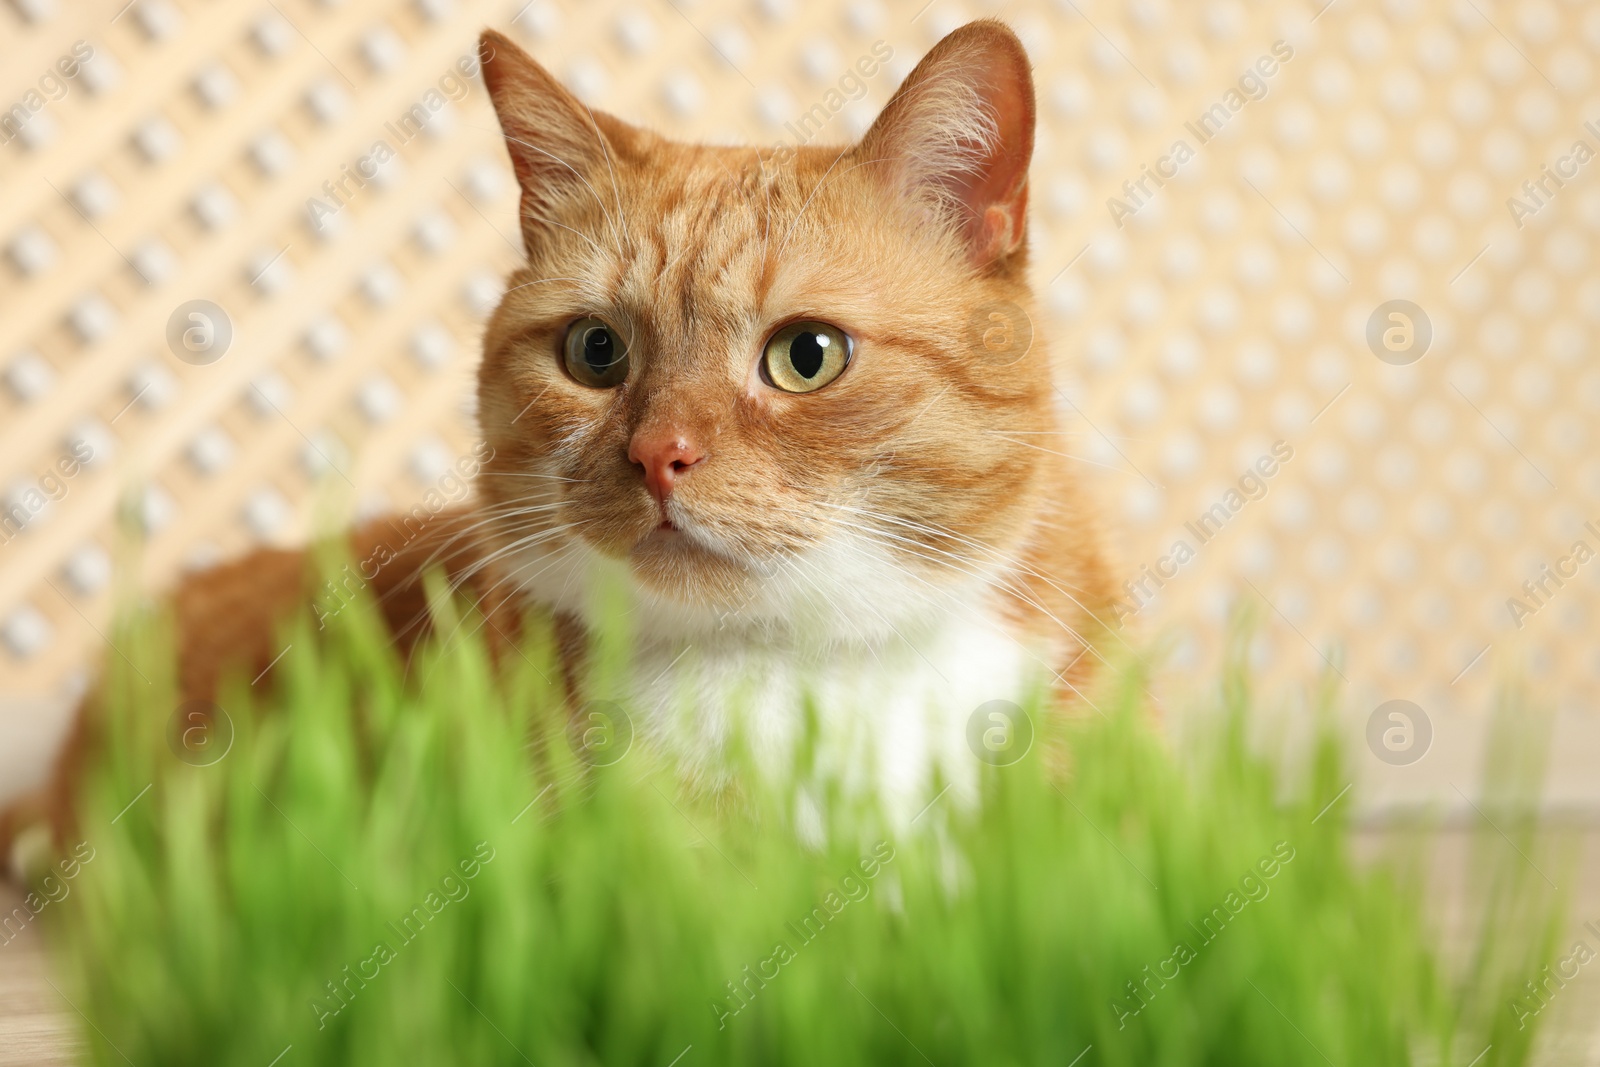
[38, 1028]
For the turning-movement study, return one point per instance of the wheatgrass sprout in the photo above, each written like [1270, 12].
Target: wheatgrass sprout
[383, 870]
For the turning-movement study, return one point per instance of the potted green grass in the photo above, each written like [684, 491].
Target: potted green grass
[369, 870]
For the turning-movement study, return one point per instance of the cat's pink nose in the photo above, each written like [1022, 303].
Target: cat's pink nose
[664, 457]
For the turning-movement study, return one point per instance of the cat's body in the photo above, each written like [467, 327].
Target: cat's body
[792, 402]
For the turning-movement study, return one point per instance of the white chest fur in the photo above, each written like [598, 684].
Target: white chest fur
[885, 717]
[888, 669]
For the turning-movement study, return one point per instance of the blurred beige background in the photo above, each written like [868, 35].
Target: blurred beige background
[1333, 159]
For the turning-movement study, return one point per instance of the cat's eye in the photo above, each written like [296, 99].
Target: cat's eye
[804, 356]
[596, 355]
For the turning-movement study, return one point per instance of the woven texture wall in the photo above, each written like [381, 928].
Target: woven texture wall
[1210, 304]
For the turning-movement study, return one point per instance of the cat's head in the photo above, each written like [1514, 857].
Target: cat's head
[769, 387]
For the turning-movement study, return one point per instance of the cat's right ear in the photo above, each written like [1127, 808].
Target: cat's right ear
[558, 146]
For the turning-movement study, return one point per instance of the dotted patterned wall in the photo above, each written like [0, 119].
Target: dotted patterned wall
[1319, 280]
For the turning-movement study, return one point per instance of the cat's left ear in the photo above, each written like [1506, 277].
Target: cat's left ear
[958, 137]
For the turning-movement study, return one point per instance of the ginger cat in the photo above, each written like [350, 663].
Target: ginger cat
[761, 390]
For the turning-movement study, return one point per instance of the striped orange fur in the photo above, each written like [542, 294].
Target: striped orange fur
[931, 448]
[920, 501]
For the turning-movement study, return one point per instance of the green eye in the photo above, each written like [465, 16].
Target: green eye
[804, 356]
[595, 355]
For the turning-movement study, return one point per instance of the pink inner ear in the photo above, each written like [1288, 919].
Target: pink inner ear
[996, 197]
[974, 162]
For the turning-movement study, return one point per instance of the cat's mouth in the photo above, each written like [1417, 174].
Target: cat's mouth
[666, 524]
[677, 536]
[669, 530]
